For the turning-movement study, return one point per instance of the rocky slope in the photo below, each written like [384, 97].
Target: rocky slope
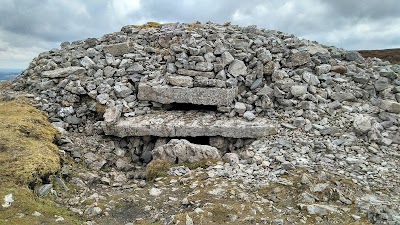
[233, 124]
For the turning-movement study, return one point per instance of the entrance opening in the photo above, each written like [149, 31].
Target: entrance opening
[203, 140]
[189, 107]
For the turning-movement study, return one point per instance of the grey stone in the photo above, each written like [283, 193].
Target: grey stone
[240, 107]
[87, 62]
[135, 68]
[122, 91]
[112, 114]
[231, 158]
[64, 72]
[256, 84]
[92, 211]
[204, 66]
[197, 95]
[118, 49]
[194, 73]
[362, 124]
[264, 55]
[279, 75]
[180, 151]
[249, 116]
[390, 106]
[321, 69]
[182, 81]
[226, 58]
[189, 124]
[43, 190]
[237, 68]
[300, 58]
[361, 78]
[298, 90]
[310, 78]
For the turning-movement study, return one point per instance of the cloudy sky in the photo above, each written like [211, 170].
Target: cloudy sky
[28, 27]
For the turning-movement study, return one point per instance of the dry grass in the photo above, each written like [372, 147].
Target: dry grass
[391, 55]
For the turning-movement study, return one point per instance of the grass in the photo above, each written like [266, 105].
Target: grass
[391, 55]
[27, 156]
[148, 25]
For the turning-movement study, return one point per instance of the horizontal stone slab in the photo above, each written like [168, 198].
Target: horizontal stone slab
[63, 72]
[194, 73]
[189, 124]
[196, 95]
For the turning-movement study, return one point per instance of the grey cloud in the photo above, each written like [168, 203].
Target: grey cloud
[27, 25]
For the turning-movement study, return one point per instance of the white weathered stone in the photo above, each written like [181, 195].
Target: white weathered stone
[226, 58]
[390, 106]
[64, 72]
[298, 90]
[182, 150]
[190, 124]
[197, 95]
[237, 68]
[240, 107]
[182, 81]
[362, 124]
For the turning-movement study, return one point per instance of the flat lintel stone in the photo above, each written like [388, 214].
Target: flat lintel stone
[189, 124]
[165, 94]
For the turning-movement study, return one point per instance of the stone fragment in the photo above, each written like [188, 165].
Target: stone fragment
[112, 114]
[249, 116]
[155, 192]
[362, 124]
[321, 69]
[226, 58]
[197, 95]
[204, 66]
[194, 73]
[231, 158]
[182, 81]
[181, 151]
[390, 106]
[298, 90]
[310, 78]
[122, 91]
[240, 107]
[189, 124]
[63, 72]
[237, 68]
[300, 58]
[118, 49]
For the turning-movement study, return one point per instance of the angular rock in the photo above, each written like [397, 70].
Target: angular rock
[194, 73]
[249, 116]
[390, 106]
[189, 124]
[226, 58]
[300, 58]
[231, 158]
[298, 90]
[362, 124]
[112, 114]
[237, 68]
[118, 49]
[201, 96]
[64, 72]
[240, 107]
[181, 151]
[182, 81]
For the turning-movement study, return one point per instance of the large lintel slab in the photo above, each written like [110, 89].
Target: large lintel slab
[166, 94]
[189, 124]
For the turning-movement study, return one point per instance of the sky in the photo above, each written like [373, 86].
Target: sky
[28, 27]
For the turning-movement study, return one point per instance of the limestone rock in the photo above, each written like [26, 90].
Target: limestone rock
[237, 68]
[179, 151]
[64, 72]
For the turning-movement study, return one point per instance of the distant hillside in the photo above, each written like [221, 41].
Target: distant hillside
[391, 55]
[7, 74]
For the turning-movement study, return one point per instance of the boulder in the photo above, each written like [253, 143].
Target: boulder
[181, 151]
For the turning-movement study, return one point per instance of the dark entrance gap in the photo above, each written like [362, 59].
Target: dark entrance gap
[189, 107]
[201, 140]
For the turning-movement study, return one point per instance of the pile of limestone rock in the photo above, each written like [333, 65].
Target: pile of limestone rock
[260, 98]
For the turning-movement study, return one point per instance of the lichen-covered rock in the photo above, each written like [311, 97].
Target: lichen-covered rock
[181, 151]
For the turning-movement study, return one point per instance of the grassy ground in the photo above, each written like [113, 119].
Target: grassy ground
[27, 157]
[391, 55]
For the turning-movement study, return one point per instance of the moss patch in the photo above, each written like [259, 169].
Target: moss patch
[27, 151]
[27, 154]
[148, 25]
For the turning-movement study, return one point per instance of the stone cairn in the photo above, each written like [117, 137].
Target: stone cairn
[230, 84]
